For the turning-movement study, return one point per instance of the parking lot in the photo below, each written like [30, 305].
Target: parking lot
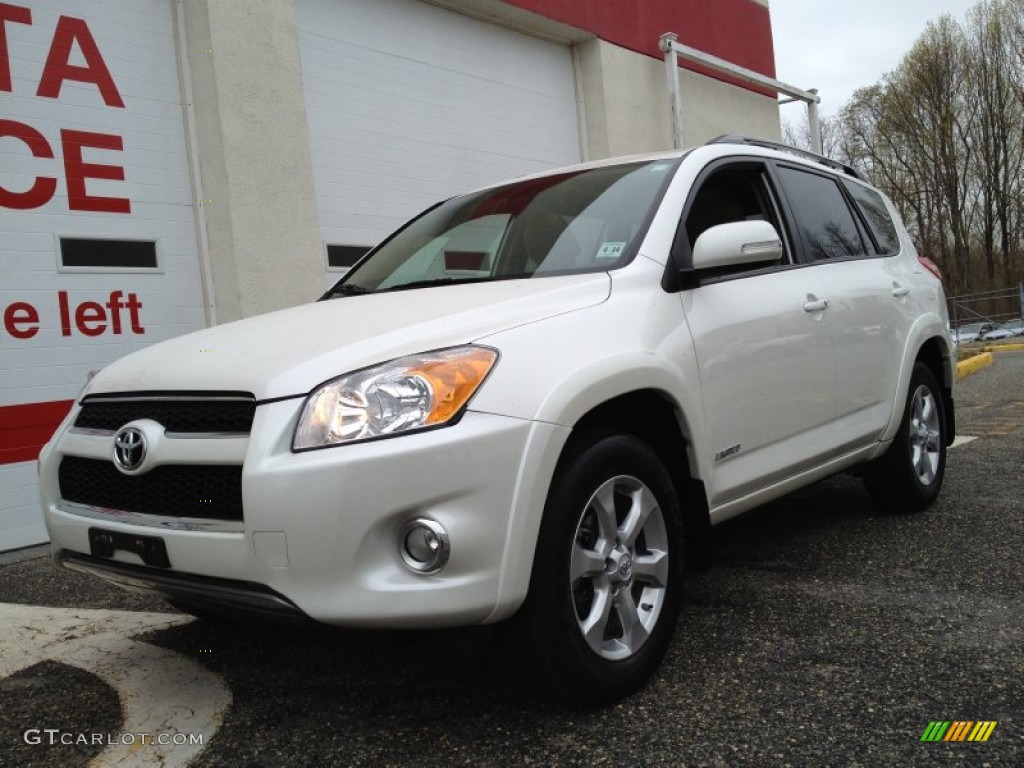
[825, 634]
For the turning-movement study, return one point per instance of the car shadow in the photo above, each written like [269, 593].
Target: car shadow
[377, 697]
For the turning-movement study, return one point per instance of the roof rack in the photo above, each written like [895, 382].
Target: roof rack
[835, 164]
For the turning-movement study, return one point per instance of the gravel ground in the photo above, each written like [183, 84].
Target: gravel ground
[825, 635]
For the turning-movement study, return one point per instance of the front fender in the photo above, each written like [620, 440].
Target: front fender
[566, 404]
[554, 372]
[557, 370]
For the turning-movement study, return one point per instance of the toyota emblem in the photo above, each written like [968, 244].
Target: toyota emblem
[129, 449]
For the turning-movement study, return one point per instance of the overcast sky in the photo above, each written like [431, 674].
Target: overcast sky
[838, 46]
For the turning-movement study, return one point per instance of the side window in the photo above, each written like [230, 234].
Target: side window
[877, 217]
[824, 221]
[731, 194]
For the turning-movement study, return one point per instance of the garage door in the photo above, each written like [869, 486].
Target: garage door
[409, 104]
[98, 248]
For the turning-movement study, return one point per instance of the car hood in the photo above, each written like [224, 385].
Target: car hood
[291, 351]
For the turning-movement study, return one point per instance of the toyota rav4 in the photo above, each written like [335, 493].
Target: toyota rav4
[526, 407]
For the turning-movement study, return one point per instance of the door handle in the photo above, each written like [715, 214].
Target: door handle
[899, 291]
[817, 305]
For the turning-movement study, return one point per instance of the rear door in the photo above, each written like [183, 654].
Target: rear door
[865, 290]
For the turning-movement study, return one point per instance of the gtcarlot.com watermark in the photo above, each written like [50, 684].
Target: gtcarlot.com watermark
[55, 736]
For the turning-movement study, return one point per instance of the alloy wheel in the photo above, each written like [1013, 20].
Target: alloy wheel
[619, 567]
[924, 435]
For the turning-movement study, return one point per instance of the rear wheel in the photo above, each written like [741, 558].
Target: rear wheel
[909, 476]
[606, 585]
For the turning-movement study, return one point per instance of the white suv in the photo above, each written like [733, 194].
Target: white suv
[527, 406]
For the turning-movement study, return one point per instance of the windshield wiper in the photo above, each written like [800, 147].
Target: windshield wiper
[348, 290]
[434, 282]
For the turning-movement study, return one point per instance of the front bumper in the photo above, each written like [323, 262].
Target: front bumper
[201, 592]
[320, 528]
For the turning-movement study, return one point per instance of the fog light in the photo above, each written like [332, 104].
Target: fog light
[423, 545]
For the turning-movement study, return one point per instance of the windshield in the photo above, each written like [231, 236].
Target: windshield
[578, 221]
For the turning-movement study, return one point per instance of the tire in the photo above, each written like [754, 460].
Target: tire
[613, 520]
[908, 477]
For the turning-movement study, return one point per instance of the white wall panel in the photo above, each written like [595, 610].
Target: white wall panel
[135, 39]
[19, 500]
[409, 104]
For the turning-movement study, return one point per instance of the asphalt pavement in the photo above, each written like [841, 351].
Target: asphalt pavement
[826, 634]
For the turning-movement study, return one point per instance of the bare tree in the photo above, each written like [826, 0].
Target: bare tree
[943, 135]
[994, 73]
[798, 134]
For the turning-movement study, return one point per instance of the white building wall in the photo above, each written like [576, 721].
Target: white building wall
[128, 47]
[627, 104]
[254, 160]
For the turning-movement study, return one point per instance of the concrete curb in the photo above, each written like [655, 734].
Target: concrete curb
[971, 364]
[1015, 347]
[25, 553]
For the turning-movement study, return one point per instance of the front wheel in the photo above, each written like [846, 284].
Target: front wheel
[606, 584]
[909, 475]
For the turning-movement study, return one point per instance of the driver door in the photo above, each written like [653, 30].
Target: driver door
[763, 349]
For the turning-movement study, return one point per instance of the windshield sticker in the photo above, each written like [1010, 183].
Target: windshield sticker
[610, 251]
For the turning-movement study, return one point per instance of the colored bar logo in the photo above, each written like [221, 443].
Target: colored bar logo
[958, 730]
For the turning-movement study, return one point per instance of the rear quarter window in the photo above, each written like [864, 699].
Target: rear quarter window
[824, 221]
[876, 216]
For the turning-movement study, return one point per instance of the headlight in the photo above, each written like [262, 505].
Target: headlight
[401, 396]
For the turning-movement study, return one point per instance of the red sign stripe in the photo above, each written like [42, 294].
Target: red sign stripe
[739, 31]
[24, 429]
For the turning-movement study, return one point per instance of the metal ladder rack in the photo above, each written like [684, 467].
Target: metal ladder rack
[674, 50]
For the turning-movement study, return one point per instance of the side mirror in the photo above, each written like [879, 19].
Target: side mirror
[737, 243]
